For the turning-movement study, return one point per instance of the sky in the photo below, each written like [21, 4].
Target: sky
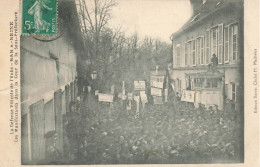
[154, 18]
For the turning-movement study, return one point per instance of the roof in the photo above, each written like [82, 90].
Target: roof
[69, 24]
[205, 10]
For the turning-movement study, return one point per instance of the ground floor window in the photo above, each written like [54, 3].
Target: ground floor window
[211, 83]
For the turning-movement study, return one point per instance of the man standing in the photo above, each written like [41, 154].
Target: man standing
[213, 62]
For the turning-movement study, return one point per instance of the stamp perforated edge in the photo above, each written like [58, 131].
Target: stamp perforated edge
[39, 35]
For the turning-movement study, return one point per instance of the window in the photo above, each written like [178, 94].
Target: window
[207, 40]
[207, 83]
[214, 83]
[214, 41]
[234, 31]
[220, 43]
[198, 50]
[178, 55]
[233, 91]
[198, 82]
[226, 45]
[193, 52]
[211, 83]
[189, 53]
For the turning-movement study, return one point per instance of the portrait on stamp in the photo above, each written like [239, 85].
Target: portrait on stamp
[39, 17]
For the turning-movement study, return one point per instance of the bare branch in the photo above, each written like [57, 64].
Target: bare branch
[88, 15]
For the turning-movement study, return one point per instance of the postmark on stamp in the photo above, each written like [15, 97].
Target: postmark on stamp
[39, 17]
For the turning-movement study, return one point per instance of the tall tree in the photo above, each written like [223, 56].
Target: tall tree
[94, 16]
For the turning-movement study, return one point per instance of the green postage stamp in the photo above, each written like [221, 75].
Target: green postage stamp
[39, 17]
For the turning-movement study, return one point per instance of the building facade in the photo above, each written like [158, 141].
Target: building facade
[48, 84]
[216, 27]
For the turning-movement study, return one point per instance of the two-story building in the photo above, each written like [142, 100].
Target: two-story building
[215, 27]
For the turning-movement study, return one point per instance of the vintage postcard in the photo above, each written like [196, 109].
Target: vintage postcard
[129, 82]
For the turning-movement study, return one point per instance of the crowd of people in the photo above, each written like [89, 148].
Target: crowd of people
[100, 133]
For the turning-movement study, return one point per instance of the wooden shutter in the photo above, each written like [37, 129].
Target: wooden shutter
[49, 116]
[182, 58]
[230, 43]
[202, 59]
[58, 119]
[207, 46]
[63, 103]
[220, 44]
[37, 131]
[25, 139]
